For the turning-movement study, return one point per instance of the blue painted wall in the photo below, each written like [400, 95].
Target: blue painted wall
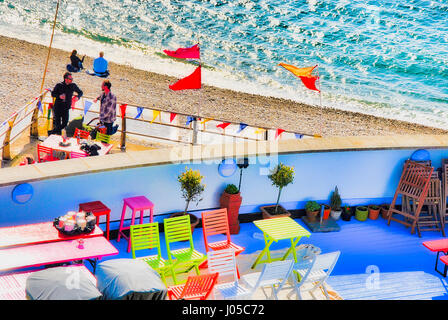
[363, 177]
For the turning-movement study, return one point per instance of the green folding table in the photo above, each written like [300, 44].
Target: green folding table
[276, 229]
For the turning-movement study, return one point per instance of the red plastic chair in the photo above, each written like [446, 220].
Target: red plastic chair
[81, 134]
[216, 223]
[45, 154]
[74, 155]
[196, 288]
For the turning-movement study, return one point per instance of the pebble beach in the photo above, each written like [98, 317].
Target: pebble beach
[21, 71]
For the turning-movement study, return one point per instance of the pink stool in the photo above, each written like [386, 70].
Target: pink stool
[140, 203]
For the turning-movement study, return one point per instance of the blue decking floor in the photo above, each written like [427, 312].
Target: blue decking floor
[377, 261]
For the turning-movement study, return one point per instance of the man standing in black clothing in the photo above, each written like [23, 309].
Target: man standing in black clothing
[63, 92]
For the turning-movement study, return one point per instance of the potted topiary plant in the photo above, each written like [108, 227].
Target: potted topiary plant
[335, 203]
[312, 209]
[281, 176]
[231, 200]
[191, 188]
[374, 211]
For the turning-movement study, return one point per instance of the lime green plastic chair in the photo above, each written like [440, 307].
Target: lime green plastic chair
[102, 137]
[144, 237]
[180, 258]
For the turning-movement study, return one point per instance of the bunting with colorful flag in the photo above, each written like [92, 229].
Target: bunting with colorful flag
[139, 112]
[39, 106]
[242, 127]
[278, 133]
[172, 116]
[189, 120]
[123, 109]
[155, 114]
[87, 105]
[298, 135]
[193, 81]
[192, 52]
[223, 125]
[259, 130]
[74, 99]
[205, 121]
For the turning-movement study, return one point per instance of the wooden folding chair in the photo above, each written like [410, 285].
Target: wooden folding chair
[102, 137]
[444, 188]
[74, 155]
[432, 219]
[81, 134]
[196, 288]
[215, 227]
[413, 187]
[45, 154]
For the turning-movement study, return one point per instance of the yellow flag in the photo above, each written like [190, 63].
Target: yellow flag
[260, 130]
[11, 123]
[155, 114]
[205, 120]
[299, 72]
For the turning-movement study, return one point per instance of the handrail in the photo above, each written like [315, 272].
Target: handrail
[17, 118]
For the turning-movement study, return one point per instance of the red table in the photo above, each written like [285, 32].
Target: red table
[438, 246]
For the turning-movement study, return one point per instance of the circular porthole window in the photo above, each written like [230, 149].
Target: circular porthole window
[22, 193]
[227, 167]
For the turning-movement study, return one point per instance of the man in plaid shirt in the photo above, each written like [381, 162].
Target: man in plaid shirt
[108, 106]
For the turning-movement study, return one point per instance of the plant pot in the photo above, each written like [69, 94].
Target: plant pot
[362, 213]
[312, 215]
[346, 214]
[268, 212]
[374, 212]
[384, 209]
[232, 202]
[336, 214]
[194, 221]
[327, 211]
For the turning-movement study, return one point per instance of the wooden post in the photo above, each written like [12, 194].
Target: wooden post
[34, 120]
[123, 133]
[6, 153]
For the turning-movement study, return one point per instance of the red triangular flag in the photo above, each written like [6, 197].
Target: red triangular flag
[185, 53]
[223, 125]
[279, 132]
[172, 116]
[193, 81]
[123, 109]
[310, 82]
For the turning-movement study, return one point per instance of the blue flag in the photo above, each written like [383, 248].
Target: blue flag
[242, 127]
[298, 135]
[139, 112]
[39, 105]
[87, 105]
[189, 119]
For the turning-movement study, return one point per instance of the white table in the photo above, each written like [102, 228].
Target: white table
[54, 140]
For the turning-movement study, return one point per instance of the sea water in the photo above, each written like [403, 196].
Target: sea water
[382, 57]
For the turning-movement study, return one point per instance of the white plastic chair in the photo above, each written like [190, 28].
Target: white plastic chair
[223, 261]
[273, 275]
[314, 273]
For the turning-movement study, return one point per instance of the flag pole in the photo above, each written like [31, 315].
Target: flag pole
[320, 98]
[34, 125]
